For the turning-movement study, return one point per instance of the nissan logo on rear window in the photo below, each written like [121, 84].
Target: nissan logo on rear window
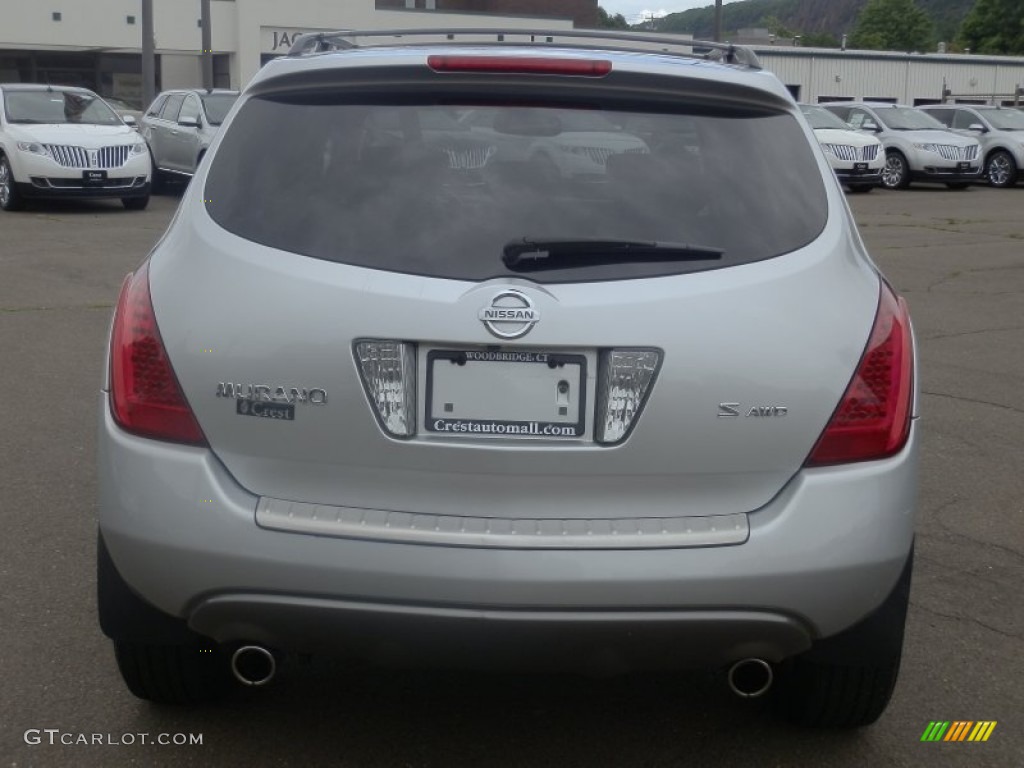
[509, 315]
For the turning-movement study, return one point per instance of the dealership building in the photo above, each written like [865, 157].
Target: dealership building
[98, 44]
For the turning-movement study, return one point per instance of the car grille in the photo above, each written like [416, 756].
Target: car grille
[462, 158]
[853, 154]
[79, 157]
[950, 152]
[600, 155]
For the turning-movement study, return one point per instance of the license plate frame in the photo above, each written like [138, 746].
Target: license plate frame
[94, 178]
[860, 167]
[496, 370]
[963, 166]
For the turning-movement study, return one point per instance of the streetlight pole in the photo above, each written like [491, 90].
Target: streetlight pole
[718, 21]
[207, 59]
[148, 55]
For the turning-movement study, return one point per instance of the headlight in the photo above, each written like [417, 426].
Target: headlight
[137, 149]
[928, 147]
[34, 147]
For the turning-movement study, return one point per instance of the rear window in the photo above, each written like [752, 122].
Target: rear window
[439, 190]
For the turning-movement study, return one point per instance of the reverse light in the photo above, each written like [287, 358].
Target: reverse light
[520, 65]
[624, 379]
[145, 397]
[388, 370]
[872, 420]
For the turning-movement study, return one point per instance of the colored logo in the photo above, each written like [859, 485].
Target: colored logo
[958, 730]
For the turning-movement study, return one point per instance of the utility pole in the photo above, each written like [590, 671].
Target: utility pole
[718, 21]
[204, 19]
[148, 55]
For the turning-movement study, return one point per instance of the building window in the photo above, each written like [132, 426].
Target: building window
[56, 15]
[130, 19]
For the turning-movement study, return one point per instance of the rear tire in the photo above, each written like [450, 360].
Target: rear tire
[173, 674]
[10, 198]
[846, 681]
[159, 657]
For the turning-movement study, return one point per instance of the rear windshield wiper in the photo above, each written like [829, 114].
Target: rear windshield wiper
[531, 255]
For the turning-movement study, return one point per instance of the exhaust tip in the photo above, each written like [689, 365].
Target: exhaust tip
[253, 665]
[750, 678]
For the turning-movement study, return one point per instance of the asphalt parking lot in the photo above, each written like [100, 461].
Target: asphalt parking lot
[958, 257]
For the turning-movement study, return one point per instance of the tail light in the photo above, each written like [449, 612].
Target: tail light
[873, 417]
[145, 398]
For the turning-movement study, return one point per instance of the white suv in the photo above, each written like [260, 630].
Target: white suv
[398, 390]
[1000, 131]
[58, 142]
[917, 146]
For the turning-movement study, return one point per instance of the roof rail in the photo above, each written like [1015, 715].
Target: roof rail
[344, 39]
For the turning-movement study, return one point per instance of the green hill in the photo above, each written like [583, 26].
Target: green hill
[804, 17]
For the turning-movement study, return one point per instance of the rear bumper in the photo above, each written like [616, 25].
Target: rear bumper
[821, 556]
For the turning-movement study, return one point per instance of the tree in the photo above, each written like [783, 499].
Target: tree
[994, 26]
[893, 25]
[607, 21]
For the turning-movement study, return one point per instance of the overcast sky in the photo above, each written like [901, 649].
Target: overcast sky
[638, 10]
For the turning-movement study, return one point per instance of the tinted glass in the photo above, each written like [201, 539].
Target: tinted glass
[908, 119]
[155, 107]
[1005, 119]
[944, 116]
[172, 107]
[217, 106]
[819, 117]
[411, 189]
[58, 107]
[190, 108]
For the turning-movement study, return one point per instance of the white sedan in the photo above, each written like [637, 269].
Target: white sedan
[58, 142]
[857, 158]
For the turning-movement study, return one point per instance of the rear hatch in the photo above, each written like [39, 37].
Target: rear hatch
[373, 303]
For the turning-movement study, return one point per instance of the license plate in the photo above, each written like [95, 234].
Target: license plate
[509, 393]
[860, 167]
[94, 177]
[963, 167]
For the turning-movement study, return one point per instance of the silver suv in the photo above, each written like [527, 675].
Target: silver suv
[1000, 131]
[403, 391]
[917, 146]
[179, 126]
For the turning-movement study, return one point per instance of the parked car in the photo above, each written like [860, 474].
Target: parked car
[562, 144]
[1000, 131]
[365, 400]
[917, 146]
[59, 142]
[856, 157]
[179, 126]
